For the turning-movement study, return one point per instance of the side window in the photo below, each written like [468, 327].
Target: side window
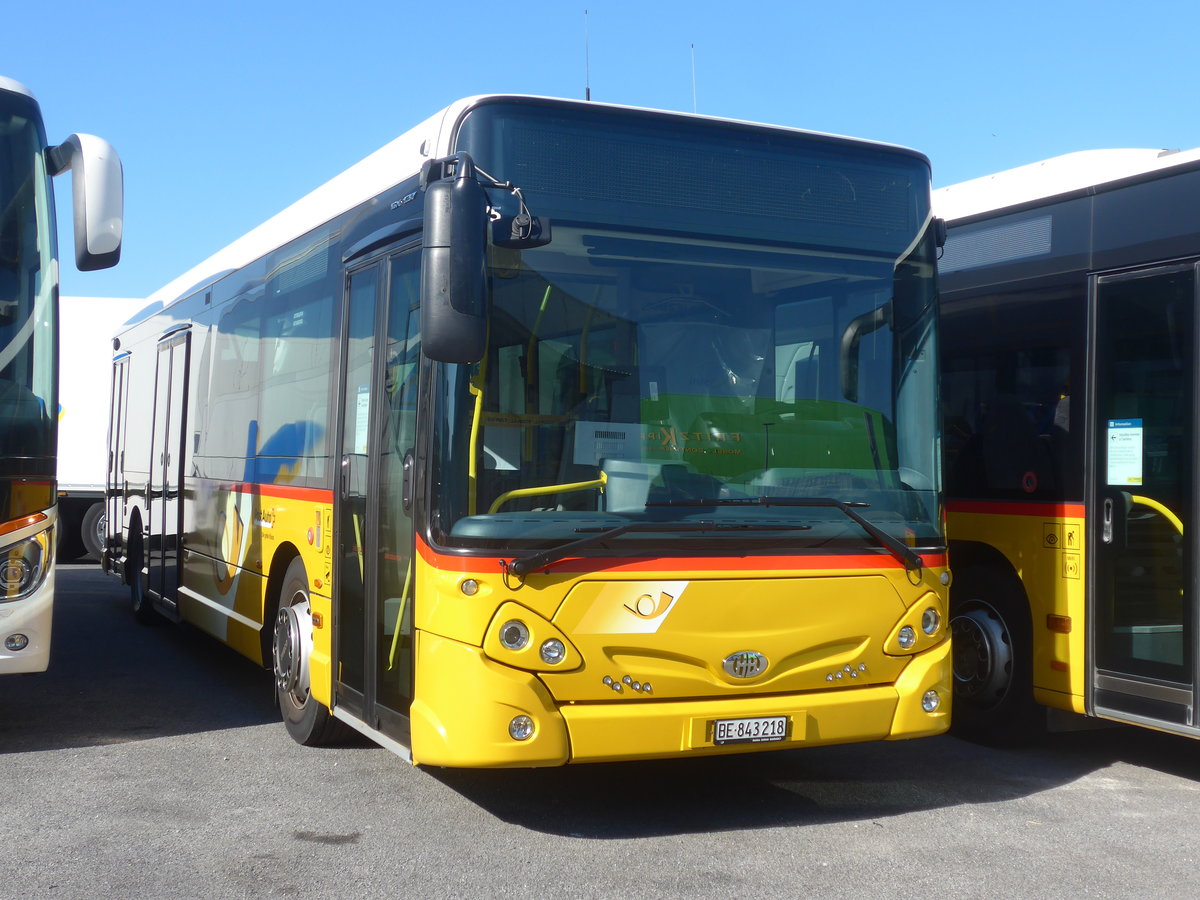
[297, 375]
[1009, 430]
[233, 409]
[403, 354]
[272, 375]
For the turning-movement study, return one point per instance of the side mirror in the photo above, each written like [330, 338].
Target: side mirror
[98, 198]
[453, 267]
[940, 232]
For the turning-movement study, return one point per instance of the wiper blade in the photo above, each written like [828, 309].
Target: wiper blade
[905, 554]
[526, 564]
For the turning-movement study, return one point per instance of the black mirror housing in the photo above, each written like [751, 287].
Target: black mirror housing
[453, 269]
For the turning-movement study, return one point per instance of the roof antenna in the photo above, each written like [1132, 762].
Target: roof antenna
[587, 62]
[693, 78]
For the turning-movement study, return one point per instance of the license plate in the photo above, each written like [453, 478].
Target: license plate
[750, 731]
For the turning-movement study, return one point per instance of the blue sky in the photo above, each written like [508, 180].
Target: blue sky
[226, 112]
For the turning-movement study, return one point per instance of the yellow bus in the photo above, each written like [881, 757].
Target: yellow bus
[29, 519]
[558, 432]
[1069, 391]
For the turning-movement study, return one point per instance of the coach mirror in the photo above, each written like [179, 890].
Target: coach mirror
[453, 281]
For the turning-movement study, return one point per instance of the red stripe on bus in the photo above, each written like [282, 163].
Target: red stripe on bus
[682, 564]
[1018, 508]
[285, 492]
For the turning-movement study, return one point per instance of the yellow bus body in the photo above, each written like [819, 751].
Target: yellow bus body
[1044, 544]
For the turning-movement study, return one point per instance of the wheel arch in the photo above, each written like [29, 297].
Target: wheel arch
[974, 565]
[134, 543]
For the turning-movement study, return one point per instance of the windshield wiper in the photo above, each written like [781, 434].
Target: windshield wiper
[905, 554]
[526, 564]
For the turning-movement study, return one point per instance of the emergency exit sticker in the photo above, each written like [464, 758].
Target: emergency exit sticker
[1124, 451]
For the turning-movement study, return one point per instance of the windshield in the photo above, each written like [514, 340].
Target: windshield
[669, 373]
[28, 282]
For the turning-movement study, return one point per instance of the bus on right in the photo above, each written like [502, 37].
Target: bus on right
[1069, 383]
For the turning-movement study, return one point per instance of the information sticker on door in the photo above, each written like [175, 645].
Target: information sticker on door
[1124, 451]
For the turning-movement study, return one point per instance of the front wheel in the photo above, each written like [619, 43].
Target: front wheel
[307, 720]
[993, 667]
[92, 531]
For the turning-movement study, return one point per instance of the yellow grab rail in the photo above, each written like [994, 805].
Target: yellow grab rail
[1159, 508]
[598, 484]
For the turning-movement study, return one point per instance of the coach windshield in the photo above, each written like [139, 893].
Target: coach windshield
[27, 327]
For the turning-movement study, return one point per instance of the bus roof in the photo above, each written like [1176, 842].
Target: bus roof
[386, 167]
[1051, 178]
[15, 87]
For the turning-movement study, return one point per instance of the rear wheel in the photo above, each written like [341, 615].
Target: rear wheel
[139, 601]
[307, 720]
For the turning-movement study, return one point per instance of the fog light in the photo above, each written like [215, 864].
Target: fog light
[931, 701]
[907, 637]
[514, 635]
[521, 728]
[553, 651]
[930, 620]
[16, 642]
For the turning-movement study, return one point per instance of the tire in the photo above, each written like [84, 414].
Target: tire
[68, 547]
[92, 531]
[307, 721]
[139, 601]
[993, 664]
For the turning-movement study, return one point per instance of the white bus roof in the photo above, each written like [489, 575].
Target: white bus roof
[15, 87]
[1052, 177]
[384, 168]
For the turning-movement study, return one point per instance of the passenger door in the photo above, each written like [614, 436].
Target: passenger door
[374, 578]
[114, 489]
[1142, 521]
[166, 466]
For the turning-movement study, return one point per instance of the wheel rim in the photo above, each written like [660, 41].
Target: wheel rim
[983, 660]
[100, 533]
[292, 648]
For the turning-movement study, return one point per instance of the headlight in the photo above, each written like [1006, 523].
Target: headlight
[514, 635]
[907, 637]
[553, 651]
[23, 566]
[521, 637]
[930, 620]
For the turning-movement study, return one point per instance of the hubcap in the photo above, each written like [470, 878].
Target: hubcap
[983, 660]
[293, 644]
[101, 530]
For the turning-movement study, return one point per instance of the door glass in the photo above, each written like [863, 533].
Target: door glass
[1144, 427]
[173, 468]
[398, 402]
[114, 490]
[352, 519]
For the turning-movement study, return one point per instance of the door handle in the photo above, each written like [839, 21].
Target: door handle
[1106, 530]
[407, 486]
